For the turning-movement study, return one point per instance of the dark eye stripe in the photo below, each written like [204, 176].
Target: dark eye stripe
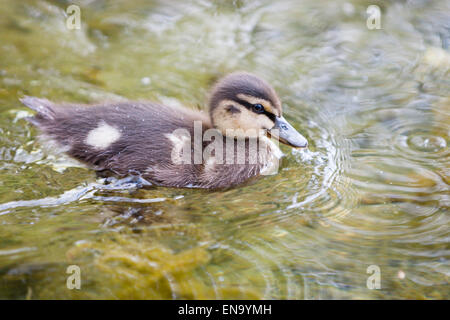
[249, 106]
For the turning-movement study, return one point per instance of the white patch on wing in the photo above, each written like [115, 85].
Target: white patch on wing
[177, 140]
[210, 164]
[103, 136]
[181, 150]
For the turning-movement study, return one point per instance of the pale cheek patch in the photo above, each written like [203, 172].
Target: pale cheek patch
[102, 136]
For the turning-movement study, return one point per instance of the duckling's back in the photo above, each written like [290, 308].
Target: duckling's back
[124, 137]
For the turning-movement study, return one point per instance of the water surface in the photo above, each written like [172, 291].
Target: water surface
[371, 189]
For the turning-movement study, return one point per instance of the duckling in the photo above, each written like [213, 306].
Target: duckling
[175, 146]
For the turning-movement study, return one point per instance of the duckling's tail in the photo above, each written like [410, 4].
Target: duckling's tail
[43, 107]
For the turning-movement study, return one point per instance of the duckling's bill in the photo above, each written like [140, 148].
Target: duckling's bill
[287, 134]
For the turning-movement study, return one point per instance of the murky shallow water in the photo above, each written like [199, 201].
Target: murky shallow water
[372, 189]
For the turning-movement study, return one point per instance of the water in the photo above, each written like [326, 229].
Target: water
[372, 189]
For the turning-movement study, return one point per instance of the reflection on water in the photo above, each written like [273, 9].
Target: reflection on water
[372, 189]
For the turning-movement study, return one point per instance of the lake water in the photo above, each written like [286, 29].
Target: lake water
[372, 189]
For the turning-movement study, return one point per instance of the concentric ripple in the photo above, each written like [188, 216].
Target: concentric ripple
[424, 143]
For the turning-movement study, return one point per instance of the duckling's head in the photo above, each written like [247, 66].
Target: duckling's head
[245, 106]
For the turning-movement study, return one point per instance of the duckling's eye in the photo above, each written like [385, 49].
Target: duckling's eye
[232, 109]
[258, 108]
